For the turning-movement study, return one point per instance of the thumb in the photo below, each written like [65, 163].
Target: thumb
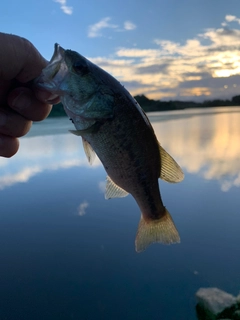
[19, 59]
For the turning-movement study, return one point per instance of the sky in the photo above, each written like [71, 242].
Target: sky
[164, 49]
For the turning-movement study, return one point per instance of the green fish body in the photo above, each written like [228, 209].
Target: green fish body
[113, 125]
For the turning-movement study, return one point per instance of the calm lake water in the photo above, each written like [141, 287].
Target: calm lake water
[67, 253]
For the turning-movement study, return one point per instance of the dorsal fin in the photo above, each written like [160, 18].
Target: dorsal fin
[170, 170]
[113, 190]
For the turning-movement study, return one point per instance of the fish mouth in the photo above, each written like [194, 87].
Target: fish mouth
[54, 73]
[58, 53]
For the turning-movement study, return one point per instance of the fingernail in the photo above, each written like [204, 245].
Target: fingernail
[22, 101]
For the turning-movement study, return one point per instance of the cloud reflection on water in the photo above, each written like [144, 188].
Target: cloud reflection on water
[41, 153]
[206, 145]
[82, 208]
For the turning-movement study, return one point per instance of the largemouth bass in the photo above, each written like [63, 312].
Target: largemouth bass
[113, 125]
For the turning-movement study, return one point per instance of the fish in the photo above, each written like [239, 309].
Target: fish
[113, 125]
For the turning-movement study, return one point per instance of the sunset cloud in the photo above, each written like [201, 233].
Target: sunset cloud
[206, 66]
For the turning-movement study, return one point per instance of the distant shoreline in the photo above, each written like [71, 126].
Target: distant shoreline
[162, 116]
[150, 105]
[61, 125]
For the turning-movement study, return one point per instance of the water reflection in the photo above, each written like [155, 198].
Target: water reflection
[82, 208]
[204, 142]
[41, 153]
[65, 248]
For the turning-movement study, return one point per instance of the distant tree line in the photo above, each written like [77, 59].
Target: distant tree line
[150, 105]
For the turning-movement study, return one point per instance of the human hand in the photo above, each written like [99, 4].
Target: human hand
[20, 101]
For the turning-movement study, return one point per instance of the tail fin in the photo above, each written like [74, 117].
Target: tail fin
[162, 230]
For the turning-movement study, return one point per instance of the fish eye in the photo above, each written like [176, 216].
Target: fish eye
[80, 68]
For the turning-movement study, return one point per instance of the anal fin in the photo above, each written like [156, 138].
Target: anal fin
[113, 190]
[161, 230]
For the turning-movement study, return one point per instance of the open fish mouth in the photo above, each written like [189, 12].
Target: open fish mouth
[58, 53]
[54, 73]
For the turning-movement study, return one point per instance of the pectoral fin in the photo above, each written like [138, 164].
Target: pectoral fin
[77, 132]
[84, 131]
[113, 190]
[90, 153]
[170, 170]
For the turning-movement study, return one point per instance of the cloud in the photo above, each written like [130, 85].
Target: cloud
[134, 85]
[222, 36]
[128, 25]
[212, 83]
[154, 68]
[206, 66]
[63, 5]
[230, 18]
[95, 29]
